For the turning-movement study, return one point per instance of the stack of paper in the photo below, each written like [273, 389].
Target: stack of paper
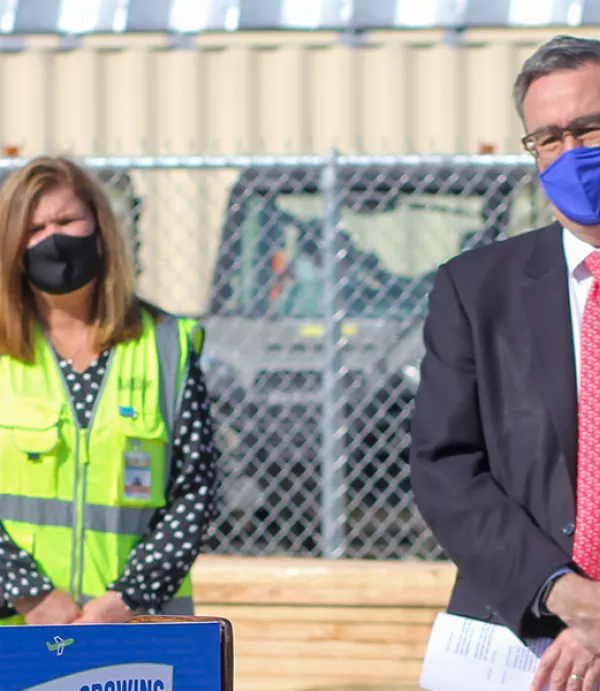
[470, 655]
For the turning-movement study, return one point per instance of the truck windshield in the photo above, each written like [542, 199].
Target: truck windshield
[409, 237]
[387, 253]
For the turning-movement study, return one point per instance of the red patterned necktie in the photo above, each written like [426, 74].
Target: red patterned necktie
[586, 550]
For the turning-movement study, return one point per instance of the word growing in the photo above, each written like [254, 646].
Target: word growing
[127, 685]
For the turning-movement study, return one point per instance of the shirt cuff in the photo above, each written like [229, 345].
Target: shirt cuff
[536, 607]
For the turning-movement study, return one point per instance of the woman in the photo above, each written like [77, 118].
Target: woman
[106, 458]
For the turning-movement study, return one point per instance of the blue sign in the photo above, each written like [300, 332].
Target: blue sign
[111, 657]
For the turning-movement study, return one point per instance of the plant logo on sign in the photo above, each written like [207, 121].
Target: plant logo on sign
[59, 645]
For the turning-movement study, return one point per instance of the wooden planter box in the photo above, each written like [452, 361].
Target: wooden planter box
[317, 624]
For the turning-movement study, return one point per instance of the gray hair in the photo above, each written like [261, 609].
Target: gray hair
[560, 53]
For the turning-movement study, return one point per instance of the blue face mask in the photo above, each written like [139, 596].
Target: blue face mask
[572, 184]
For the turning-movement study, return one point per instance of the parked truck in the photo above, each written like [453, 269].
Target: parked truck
[266, 327]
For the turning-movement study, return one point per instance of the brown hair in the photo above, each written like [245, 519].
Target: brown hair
[117, 312]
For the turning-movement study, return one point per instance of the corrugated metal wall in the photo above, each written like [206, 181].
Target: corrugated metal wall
[400, 92]
[268, 92]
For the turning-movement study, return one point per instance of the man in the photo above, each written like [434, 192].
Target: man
[506, 429]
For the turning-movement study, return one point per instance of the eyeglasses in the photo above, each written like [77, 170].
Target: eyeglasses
[547, 143]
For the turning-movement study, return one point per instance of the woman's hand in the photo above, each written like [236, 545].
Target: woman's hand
[49, 609]
[106, 609]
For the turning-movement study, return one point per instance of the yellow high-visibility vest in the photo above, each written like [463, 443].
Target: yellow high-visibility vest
[63, 492]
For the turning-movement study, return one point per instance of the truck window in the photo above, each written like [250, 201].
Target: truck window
[410, 238]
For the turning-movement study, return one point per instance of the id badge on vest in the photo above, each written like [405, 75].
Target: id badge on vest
[143, 441]
[138, 472]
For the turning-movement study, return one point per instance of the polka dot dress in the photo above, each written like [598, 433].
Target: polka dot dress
[159, 563]
[84, 386]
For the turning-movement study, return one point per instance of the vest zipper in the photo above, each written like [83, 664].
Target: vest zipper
[79, 486]
[76, 479]
[85, 470]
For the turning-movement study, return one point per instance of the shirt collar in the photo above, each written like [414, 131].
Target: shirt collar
[576, 252]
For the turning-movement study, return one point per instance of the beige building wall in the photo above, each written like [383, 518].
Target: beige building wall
[304, 92]
[296, 92]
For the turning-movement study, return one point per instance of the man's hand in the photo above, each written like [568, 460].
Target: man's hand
[576, 600]
[106, 609]
[564, 657]
[49, 609]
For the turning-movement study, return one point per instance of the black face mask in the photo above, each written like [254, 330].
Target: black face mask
[61, 263]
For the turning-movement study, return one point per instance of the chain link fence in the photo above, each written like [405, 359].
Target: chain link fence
[311, 275]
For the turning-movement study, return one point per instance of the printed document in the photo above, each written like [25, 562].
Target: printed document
[469, 655]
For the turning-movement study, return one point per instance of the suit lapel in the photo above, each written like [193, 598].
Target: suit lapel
[546, 301]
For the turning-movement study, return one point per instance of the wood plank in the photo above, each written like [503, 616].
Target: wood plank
[330, 652]
[352, 670]
[300, 613]
[234, 569]
[330, 631]
[290, 580]
[218, 562]
[311, 593]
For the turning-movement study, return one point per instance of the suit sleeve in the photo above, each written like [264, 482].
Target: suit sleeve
[491, 538]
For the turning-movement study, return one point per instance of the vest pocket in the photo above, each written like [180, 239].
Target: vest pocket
[29, 443]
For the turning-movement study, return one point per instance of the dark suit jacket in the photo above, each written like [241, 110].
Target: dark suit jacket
[494, 433]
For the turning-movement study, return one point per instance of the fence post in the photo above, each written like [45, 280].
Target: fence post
[333, 518]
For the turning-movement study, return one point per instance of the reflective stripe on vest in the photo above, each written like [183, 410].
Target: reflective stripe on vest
[124, 520]
[46, 522]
